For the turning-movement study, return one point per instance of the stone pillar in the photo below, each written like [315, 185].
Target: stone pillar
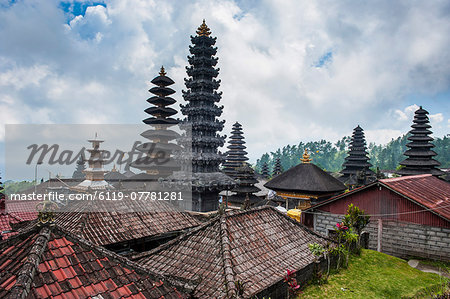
[380, 234]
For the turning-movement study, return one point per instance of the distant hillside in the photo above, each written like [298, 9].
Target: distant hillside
[330, 156]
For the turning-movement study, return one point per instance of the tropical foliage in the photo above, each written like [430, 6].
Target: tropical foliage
[330, 156]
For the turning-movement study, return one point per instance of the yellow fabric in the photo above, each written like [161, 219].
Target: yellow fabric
[294, 214]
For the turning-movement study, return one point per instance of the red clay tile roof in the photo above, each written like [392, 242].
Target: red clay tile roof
[5, 225]
[110, 227]
[426, 189]
[15, 212]
[23, 210]
[48, 262]
[257, 246]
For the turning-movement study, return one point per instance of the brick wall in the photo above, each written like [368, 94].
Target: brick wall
[399, 239]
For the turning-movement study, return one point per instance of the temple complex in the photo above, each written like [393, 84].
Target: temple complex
[236, 154]
[157, 161]
[356, 166]
[420, 154]
[201, 113]
[305, 184]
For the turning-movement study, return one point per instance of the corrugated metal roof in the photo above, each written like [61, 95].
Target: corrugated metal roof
[425, 189]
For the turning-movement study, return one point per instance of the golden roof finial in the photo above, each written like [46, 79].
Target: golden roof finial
[306, 158]
[203, 30]
[46, 211]
[162, 72]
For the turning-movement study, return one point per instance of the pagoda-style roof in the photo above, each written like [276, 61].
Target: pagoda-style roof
[420, 156]
[277, 169]
[200, 110]
[247, 180]
[256, 245]
[161, 101]
[236, 154]
[239, 200]
[158, 159]
[201, 123]
[357, 160]
[162, 80]
[305, 177]
[160, 134]
[49, 262]
[265, 170]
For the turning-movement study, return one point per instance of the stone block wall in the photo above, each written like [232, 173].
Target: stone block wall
[303, 276]
[401, 239]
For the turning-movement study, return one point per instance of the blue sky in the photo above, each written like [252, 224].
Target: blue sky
[291, 70]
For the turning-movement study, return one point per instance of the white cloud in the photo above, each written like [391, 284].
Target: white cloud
[436, 118]
[406, 114]
[21, 77]
[381, 53]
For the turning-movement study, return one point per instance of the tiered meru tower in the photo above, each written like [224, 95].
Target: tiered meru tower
[201, 114]
[236, 155]
[357, 161]
[420, 156]
[246, 187]
[157, 159]
[277, 169]
[265, 170]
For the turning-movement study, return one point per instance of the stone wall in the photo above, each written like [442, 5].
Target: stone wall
[303, 276]
[401, 239]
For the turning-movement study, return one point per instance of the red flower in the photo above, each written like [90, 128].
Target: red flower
[341, 226]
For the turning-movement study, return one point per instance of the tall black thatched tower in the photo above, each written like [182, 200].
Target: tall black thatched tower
[201, 115]
[236, 154]
[420, 156]
[357, 162]
[277, 169]
[265, 170]
[157, 160]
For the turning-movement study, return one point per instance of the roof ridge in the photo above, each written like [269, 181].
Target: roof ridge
[336, 197]
[26, 274]
[406, 177]
[225, 249]
[187, 285]
[235, 213]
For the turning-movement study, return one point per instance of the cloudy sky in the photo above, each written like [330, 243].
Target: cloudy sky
[291, 70]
